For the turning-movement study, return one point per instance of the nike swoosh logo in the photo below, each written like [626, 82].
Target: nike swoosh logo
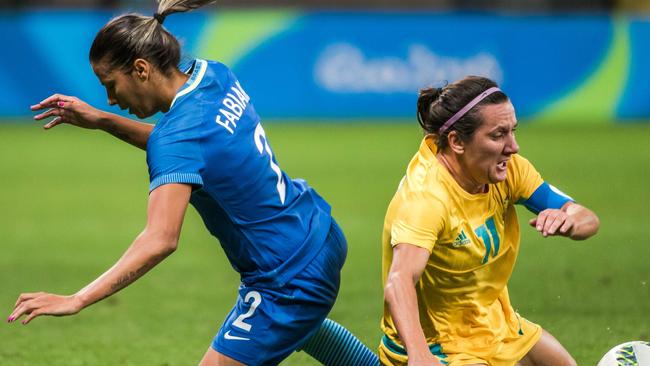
[235, 338]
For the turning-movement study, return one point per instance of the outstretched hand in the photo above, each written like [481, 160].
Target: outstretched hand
[67, 109]
[41, 303]
[552, 222]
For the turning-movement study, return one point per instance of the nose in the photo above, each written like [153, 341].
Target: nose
[511, 146]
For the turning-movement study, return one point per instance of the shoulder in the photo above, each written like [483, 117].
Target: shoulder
[217, 66]
[218, 72]
[421, 189]
[174, 130]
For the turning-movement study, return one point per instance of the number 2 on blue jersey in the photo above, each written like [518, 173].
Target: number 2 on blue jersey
[239, 322]
[263, 146]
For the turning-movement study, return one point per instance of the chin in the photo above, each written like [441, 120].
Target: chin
[141, 115]
[498, 177]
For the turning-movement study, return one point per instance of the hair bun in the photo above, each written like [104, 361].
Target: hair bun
[426, 98]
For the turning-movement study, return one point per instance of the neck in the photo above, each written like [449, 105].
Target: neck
[168, 88]
[451, 162]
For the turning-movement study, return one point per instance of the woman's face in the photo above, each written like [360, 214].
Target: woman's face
[487, 154]
[128, 90]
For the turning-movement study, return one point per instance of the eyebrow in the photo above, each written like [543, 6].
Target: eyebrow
[106, 82]
[504, 128]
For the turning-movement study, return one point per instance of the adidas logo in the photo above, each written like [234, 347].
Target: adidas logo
[461, 240]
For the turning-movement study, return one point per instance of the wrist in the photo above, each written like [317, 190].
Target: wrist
[104, 121]
[80, 301]
[419, 351]
[421, 358]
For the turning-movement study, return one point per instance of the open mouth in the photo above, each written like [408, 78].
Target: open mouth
[502, 165]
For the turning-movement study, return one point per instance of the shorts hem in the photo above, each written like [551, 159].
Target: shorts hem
[234, 355]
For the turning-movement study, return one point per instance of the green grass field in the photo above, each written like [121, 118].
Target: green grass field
[72, 200]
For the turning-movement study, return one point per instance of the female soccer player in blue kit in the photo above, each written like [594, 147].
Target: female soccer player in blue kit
[209, 149]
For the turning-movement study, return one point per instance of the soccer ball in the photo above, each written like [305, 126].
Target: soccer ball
[635, 353]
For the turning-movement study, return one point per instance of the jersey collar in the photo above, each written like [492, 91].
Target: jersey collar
[200, 66]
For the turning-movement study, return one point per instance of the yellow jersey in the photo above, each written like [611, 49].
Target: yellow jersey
[473, 239]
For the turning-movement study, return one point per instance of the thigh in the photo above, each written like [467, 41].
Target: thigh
[265, 325]
[214, 358]
[547, 352]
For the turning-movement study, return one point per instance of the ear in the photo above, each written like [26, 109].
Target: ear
[142, 69]
[455, 143]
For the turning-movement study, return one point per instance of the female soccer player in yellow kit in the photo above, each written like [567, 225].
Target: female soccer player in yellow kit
[451, 237]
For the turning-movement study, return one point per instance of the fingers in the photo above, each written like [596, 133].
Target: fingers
[60, 114]
[32, 305]
[28, 308]
[31, 316]
[49, 113]
[20, 310]
[539, 221]
[566, 227]
[41, 303]
[24, 305]
[27, 296]
[51, 102]
[552, 222]
[52, 123]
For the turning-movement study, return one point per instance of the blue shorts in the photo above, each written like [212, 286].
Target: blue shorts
[267, 325]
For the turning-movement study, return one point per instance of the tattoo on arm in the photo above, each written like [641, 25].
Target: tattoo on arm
[130, 277]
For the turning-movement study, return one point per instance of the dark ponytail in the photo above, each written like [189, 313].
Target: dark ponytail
[437, 105]
[131, 36]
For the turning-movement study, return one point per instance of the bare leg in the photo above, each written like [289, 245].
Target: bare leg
[214, 358]
[547, 352]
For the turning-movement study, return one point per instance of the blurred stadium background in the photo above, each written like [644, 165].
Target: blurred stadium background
[337, 84]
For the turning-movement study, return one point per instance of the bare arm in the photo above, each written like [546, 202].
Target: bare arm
[167, 206]
[572, 220]
[406, 269]
[134, 132]
[72, 110]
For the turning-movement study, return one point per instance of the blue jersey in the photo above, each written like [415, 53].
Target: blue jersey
[269, 226]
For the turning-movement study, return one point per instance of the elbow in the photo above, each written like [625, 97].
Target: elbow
[391, 289]
[168, 247]
[162, 243]
[389, 293]
[163, 248]
[167, 243]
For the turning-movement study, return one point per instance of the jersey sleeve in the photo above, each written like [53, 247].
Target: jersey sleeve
[530, 190]
[174, 158]
[419, 220]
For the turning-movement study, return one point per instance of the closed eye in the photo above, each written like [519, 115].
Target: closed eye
[498, 133]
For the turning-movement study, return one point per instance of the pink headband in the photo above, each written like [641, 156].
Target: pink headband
[466, 109]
